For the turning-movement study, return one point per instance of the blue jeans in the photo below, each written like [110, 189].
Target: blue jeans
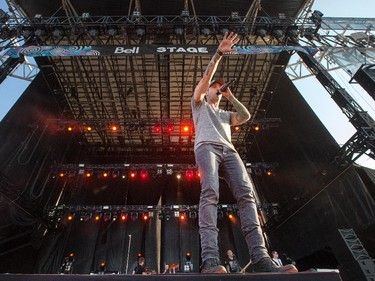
[209, 158]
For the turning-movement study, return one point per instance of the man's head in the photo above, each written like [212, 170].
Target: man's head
[141, 260]
[213, 95]
[275, 255]
[230, 253]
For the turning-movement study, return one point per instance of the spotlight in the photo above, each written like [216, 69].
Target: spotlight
[277, 33]
[169, 128]
[88, 174]
[144, 175]
[236, 128]
[62, 174]
[70, 217]
[58, 32]
[262, 32]
[115, 127]
[105, 174]
[123, 216]
[140, 31]
[70, 128]
[107, 217]
[157, 128]
[97, 217]
[145, 217]
[134, 216]
[93, 32]
[115, 174]
[112, 31]
[132, 174]
[186, 128]
[189, 174]
[182, 216]
[193, 215]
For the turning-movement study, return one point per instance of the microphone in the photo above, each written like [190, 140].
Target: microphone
[226, 85]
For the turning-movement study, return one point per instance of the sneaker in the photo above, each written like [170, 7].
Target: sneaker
[212, 266]
[267, 265]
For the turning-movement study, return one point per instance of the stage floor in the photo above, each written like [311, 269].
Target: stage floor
[301, 276]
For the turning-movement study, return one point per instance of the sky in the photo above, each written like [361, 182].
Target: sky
[313, 92]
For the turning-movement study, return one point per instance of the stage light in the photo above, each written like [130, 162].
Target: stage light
[70, 128]
[70, 217]
[115, 174]
[132, 174]
[88, 174]
[189, 174]
[105, 174]
[123, 217]
[176, 214]
[61, 174]
[277, 33]
[256, 127]
[114, 217]
[145, 217]
[220, 215]
[262, 32]
[182, 216]
[97, 217]
[140, 31]
[230, 216]
[107, 217]
[115, 128]
[89, 128]
[144, 175]
[134, 216]
[198, 174]
[236, 128]
[193, 215]
[58, 32]
[178, 176]
[169, 128]
[157, 128]
[186, 128]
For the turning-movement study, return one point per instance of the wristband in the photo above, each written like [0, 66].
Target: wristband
[220, 53]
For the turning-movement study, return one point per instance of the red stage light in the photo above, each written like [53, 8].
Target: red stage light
[123, 217]
[189, 174]
[182, 216]
[145, 217]
[198, 174]
[170, 128]
[105, 174]
[70, 217]
[157, 128]
[144, 175]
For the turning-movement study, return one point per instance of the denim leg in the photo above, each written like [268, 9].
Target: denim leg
[241, 186]
[208, 160]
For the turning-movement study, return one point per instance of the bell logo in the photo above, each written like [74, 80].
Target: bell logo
[122, 50]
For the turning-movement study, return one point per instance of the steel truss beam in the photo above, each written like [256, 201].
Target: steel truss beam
[364, 139]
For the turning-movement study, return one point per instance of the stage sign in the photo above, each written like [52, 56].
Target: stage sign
[136, 50]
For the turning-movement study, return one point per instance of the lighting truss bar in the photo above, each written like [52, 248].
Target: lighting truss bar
[364, 139]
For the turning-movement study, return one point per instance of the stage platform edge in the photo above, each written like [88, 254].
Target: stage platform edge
[301, 276]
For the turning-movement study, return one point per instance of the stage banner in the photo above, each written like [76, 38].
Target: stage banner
[136, 50]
